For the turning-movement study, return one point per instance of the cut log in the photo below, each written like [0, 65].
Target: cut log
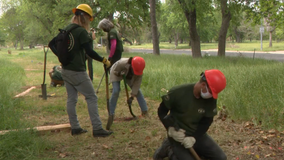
[25, 92]
[44, 129]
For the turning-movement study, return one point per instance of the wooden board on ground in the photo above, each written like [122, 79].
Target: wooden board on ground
[45, 129]
[25, 92]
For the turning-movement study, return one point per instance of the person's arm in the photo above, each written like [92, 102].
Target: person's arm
[90, 52]
[112, 47]
[162, 113]
[203, 126]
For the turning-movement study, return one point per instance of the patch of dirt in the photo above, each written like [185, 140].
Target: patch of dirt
[246, 141]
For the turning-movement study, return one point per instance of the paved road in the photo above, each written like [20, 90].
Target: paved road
[278, 56]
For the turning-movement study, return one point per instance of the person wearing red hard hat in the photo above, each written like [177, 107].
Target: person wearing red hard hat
[192, 108]
[132, 68]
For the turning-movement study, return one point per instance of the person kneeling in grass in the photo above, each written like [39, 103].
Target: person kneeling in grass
[55, 76]
[192, 108]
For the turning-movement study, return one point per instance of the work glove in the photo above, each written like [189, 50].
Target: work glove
[106, 62]
[177, 135]
[129, 101]
[188, 142]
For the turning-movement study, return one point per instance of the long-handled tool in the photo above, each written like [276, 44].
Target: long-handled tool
[43, 85]
[127, 96]
[195, 155]
[110, 117]
[97, 91]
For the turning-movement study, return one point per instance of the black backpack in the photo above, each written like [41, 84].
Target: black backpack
[59, 46]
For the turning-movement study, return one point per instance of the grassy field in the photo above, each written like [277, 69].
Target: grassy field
[254, 93]
[230, 46]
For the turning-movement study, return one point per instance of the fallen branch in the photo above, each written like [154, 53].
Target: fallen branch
[25, 92]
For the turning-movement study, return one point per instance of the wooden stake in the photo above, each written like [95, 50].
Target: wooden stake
[44, 129]
[25, 92]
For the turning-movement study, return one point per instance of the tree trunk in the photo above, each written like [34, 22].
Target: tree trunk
[226, 18]
[238, 35]
[190, 15]
[176, 39]
[22, 44]
[270, 38]
[156, 48]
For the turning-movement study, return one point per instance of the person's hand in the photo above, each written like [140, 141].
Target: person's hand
[188, 142]
[106, 62]
[109, 58]
[178, 135]
[129, 101]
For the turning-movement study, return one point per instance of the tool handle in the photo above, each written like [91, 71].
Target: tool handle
[107, 90]
[127, 96]
[195, 155]
[45, 49]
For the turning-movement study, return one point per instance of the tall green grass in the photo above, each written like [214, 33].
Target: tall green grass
[22, 144]
[244, 46]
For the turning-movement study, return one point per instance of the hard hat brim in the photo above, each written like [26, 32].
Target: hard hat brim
[74, 10]
[138, 73]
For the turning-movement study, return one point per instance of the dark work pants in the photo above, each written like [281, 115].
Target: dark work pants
[205, 147]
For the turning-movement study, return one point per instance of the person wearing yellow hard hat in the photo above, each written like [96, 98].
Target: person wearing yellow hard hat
[192, 108]
[74, 74]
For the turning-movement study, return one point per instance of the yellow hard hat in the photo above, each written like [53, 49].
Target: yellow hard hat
[86, 8]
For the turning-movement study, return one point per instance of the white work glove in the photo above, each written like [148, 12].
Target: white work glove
[188, 142]
[176, 135]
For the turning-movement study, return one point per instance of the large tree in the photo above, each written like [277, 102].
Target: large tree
[189, 9]
[226, 18]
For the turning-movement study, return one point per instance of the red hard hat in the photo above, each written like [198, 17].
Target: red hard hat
[138, 65]
[216, 81]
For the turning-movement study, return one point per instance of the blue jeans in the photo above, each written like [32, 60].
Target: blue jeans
[115, 94]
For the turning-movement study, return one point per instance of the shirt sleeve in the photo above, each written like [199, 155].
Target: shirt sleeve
[90, 52]
[169, 99]
[112, 47]
[84, 37]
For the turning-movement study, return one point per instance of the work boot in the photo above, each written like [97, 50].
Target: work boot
[101, 133]
[78, 131]
[109, 121]
[163, 151]
[145, 114]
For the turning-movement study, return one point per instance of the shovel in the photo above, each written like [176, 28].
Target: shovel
[43, 85]
[110, 117]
